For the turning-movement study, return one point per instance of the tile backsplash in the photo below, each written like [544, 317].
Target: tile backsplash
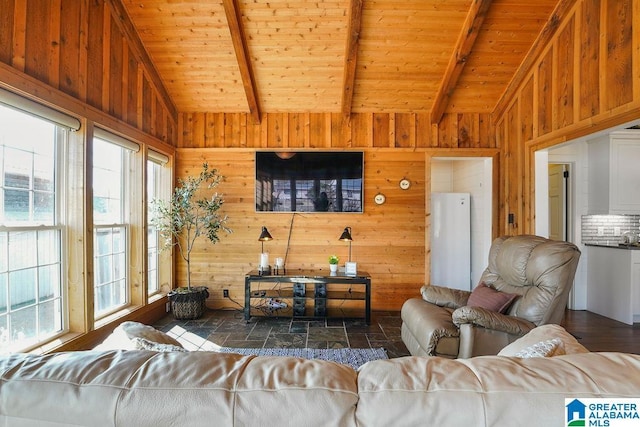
[608, 229]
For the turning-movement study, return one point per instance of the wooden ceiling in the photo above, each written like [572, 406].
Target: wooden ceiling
[269, 56]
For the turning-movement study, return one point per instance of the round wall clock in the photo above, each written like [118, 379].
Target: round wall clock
[405, 183]
[379, 199]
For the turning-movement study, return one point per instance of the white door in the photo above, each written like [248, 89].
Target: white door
[558, 202]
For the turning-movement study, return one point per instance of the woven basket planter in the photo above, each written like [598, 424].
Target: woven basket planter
[187, 305]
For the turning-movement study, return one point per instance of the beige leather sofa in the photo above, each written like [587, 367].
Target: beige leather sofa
[148, 388]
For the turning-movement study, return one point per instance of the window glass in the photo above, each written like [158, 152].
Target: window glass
[31, 297]
[153, 191]
[110, 231]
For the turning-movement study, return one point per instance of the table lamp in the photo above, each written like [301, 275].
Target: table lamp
[264, 257]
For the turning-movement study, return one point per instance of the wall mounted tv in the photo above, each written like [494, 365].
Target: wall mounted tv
[309, 181]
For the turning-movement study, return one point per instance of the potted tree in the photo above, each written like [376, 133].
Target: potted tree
[191, 213]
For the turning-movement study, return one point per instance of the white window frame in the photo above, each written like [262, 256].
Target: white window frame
[123, 224]
[61, 140]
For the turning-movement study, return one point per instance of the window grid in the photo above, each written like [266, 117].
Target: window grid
[31, 256]
[111, 247]
[153, 191]
[110, 269]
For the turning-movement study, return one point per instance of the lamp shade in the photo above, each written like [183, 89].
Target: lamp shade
[264, 235]
[346, 235]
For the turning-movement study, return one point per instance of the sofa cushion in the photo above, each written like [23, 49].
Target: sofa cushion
[541, 334]
[123, 337]
[490, 299]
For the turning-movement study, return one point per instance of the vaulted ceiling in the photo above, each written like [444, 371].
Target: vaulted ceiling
[337, 55]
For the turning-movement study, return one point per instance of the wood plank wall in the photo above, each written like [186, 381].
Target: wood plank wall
[80, 47]
[586, 79]
[390, 240]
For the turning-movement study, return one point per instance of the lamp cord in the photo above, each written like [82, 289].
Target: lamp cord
[286, 253]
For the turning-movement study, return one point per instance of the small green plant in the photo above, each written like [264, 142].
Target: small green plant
[333, 259]
[191, 213]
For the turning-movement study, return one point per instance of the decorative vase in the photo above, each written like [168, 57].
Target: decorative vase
[333, 267]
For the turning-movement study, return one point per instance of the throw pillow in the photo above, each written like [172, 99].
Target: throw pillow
[544, 333]
[490, 299]
[548, 348]
[144, 344]
[123, 336]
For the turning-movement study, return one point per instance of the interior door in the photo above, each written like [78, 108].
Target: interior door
[557, 202]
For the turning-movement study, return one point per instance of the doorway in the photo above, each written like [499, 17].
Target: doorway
[473, 175]
[560, 218]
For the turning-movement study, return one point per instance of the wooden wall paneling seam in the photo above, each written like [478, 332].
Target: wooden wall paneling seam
[19, 35]
[577, 63]
[83, 56]
[140, 100]
[54, 43]
[106, 57]
[7, 26]
[124, 88]
[392, 130]
[555, 58]
[602, 65]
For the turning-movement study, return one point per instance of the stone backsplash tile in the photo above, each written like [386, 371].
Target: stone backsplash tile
[601, 229]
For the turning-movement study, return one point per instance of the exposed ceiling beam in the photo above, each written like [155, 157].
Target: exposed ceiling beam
[559, 13]
[464, 45]
[123, 21]
[242, 55]
[351, 54]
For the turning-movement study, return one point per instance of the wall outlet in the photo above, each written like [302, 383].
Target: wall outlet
[616, 231]
[225, 293]
[168, 307]
[600, 231]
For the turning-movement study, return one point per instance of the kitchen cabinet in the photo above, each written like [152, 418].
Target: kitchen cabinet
[614, 173]
[613, 284]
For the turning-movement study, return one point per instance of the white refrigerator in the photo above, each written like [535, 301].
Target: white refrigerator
[451, 240]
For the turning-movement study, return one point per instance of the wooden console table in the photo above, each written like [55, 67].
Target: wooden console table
[307, 294]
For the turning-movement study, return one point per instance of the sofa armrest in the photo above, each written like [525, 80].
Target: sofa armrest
[491, 320]
[444, 297]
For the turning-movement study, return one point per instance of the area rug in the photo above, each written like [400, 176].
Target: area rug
[354, 357]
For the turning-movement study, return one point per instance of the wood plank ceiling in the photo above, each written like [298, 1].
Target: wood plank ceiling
[322, 56]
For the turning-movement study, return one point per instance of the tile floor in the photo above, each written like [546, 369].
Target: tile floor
[227, 328]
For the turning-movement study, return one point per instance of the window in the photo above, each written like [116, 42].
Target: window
[153, 192]
[31, 295]
[110, 243]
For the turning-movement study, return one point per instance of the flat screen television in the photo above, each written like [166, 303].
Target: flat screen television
[309, 181]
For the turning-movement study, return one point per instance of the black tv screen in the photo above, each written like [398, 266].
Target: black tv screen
[309, 181]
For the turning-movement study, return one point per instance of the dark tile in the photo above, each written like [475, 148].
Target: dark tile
[327, 334]
[391, 331]
[299, 327]
[286, 341]
[335, 323]
[317, 344]
[218, 338]
[358, 341]
[376, 337]
[337, 344]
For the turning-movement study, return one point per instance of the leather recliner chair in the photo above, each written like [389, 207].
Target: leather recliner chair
[538, 270]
